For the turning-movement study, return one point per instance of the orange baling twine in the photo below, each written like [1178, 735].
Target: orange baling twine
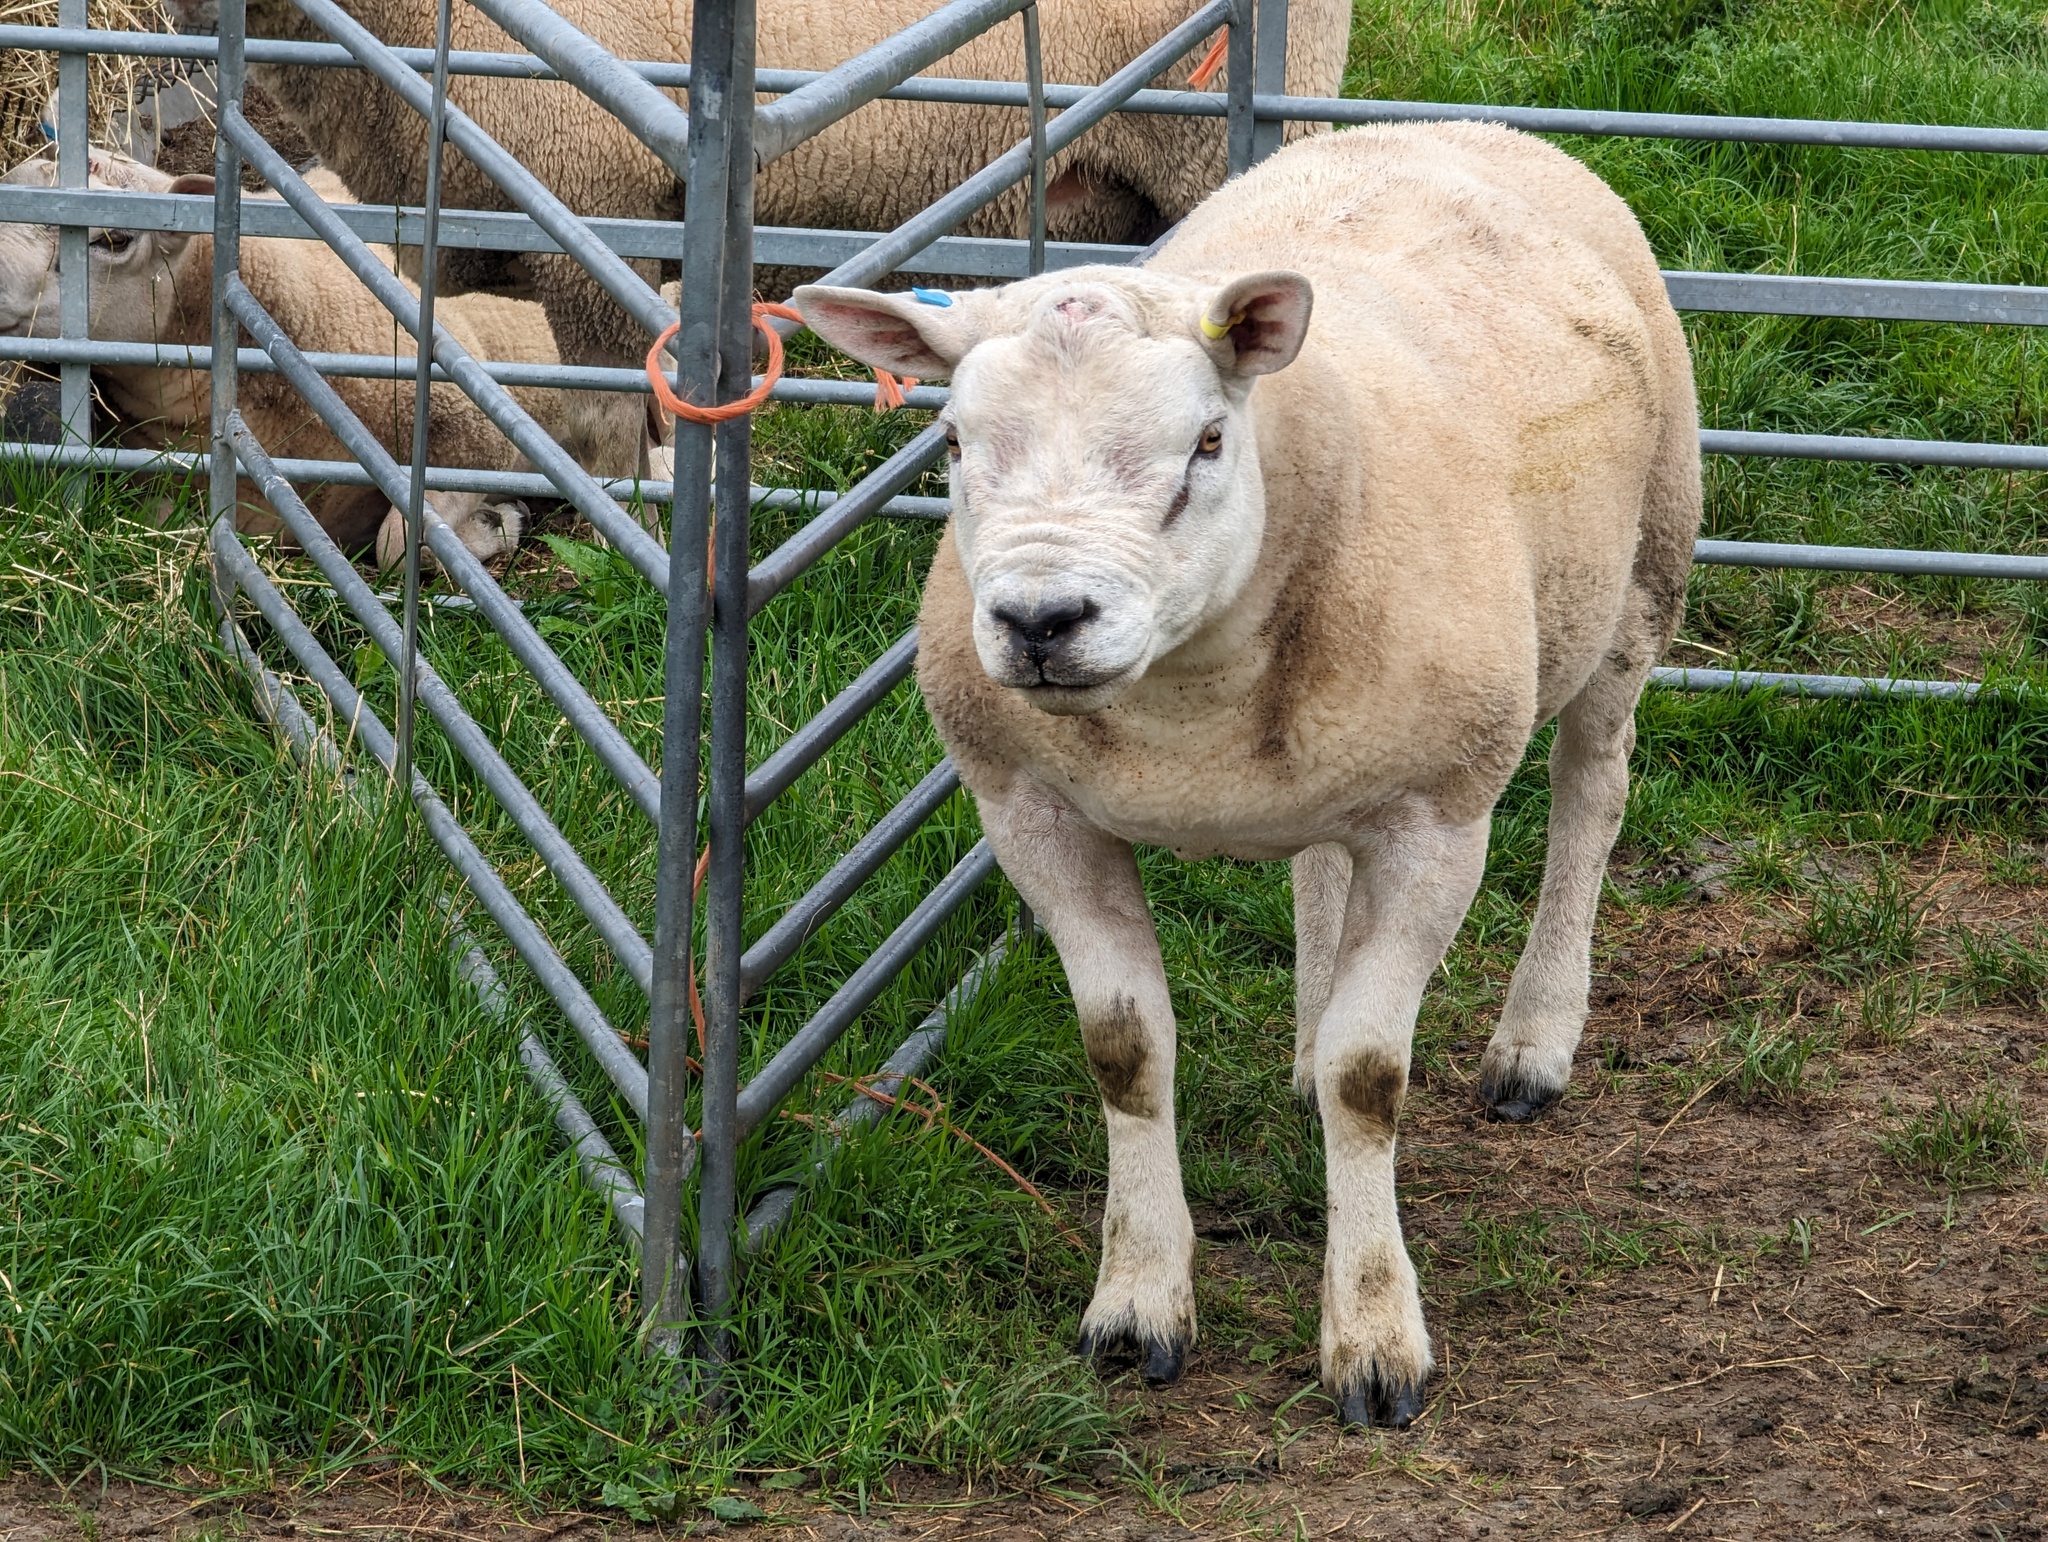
[889, 388]
[1212, 61]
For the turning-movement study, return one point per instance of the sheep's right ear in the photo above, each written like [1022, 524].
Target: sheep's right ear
[896, 332]
[193, 182]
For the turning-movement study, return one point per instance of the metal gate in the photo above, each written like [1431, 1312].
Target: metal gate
[712, 147]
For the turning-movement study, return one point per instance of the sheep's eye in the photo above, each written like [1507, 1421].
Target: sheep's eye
[114, 240]
[1211, 442]
[952, 441]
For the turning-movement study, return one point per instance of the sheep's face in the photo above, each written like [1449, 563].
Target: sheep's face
[1107, 499]
[128, 270]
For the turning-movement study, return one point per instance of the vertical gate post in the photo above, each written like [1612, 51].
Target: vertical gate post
[227, 262]
[724, 939]
[670, 1151]
[1270, 74]
[1239, 74]
[74, 400]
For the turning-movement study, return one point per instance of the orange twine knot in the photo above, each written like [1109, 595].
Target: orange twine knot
[1212, 61]
[889, 388]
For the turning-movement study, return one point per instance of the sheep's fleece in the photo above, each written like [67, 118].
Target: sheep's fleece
[1204, 592]
[1125, 180]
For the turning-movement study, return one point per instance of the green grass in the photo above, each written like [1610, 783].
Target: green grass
[278, 1197]
[1960, 1142]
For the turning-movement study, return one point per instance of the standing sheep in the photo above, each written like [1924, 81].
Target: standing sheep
[1125, 180]
[1196, 597]
[156, 287]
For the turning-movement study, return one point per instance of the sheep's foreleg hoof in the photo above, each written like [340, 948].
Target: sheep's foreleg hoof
[1376, 1404]
[1159, 1361]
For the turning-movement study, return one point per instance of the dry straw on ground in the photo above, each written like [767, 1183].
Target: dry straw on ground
[28, 77]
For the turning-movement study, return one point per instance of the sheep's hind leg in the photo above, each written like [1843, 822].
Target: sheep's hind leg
[1322, 878]
[1413, 881]
[1529, 1059]
[1083, 886]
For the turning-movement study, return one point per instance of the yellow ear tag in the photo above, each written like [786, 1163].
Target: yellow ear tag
[1220, 329]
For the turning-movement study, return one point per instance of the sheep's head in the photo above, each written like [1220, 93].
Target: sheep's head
[1107, 500]
[127, 269]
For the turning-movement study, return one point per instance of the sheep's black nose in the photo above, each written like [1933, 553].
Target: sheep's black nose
[1041, 626]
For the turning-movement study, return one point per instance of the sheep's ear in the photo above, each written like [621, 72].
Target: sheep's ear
[1254, 325]
[896, 332]
[193, 182]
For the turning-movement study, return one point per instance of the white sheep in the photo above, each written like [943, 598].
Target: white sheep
[1228, 581]
[1125, 180]
[155, 286]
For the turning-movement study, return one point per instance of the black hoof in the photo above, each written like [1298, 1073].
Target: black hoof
[1373, 1404]
[1159, 1361]
[1307, 1097]
[1514, 1100]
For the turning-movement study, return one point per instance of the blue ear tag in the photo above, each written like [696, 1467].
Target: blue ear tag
[931, 296]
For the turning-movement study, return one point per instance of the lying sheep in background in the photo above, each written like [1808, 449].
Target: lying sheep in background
[1224, 580]
[1125, 180]
[156, 287]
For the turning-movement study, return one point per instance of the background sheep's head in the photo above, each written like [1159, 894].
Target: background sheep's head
[1107, 500]
[125, 265]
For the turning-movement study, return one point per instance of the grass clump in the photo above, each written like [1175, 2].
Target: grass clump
[1861, 929]
[1769, 1063]
[2000, 967]
[1965, 1143]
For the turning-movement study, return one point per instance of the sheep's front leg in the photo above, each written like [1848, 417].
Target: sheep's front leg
[1082, 883]
[1322, 881]
[1413, 877]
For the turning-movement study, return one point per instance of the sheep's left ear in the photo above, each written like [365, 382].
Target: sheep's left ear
[1254, 325]
[902, 333]
[193, 182]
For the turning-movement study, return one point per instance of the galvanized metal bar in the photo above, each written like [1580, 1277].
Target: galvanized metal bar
[224, 385]
[1034, 86]
[725, 803]
[505, 231]
[556, 977]
[415, 504]
[1238, 72]
[1274, 105]
[802, 749]
[986, 185]
[511, 484]
[1906, 452]
[512, 420]
[601, 1166]
[798, 924]
[782, 126]
[776, 1080]
[1853, 687]
[491, 158]
[1656, 125]
[783, 566]
[74, 267]
[669, 1147]
[917, 1051]
[568, 867]
[1874, 299]
[1269, 73]
[1870, 559]
[526, 644]
[575, 56]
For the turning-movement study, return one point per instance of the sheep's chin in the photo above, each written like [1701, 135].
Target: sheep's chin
[1076, 700]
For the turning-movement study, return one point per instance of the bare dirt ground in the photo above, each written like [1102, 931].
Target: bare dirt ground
[1663, 1310]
